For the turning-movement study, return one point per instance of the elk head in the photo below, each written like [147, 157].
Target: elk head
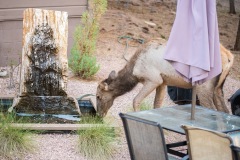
[105, 95]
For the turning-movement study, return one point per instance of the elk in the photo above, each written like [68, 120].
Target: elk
[147, 66]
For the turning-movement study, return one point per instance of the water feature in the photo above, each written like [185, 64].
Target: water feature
[45, 92]
[43, 81]
[85, 105]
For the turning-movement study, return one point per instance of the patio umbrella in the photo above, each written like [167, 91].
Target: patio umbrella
[193, 47]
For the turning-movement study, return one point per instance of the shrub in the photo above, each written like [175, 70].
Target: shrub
[13, 142]
[83, 65]
[82, 61]
[97, 142]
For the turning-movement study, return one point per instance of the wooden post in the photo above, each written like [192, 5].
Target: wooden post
[237, 43]
[232, 7]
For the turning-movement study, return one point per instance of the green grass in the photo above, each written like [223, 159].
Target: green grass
[14, 143]
[91, 120]
[143, 106]
[97, 142]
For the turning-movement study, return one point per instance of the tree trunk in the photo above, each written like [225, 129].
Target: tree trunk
[237, 43]
[232, 7]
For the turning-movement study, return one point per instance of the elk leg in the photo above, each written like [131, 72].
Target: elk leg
[218, 100]
[160, 93]
[206, 93]
[147, 88]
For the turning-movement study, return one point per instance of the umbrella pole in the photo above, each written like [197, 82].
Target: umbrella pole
[194, 95]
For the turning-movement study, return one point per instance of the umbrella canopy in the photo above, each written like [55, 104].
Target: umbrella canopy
[193, 47]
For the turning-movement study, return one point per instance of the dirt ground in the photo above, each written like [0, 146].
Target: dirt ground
[154, 19]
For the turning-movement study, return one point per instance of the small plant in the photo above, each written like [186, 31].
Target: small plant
[14, 143]
[144, 106]
[86, 67]
[97, 142]
[12, 67]
[82, 61]
[91, 120]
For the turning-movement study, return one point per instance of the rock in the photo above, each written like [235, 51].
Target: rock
[145, 30]
[3, 73]
[150, 23]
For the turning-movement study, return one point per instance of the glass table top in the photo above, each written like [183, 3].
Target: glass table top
[171, 118]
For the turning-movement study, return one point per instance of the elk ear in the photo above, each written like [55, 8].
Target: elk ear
[112, 75]
[104, 86]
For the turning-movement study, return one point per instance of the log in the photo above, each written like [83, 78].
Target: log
[58, 22]
[43, 79]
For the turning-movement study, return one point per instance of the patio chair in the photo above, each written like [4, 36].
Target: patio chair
[236, 152]
[145, 139]
[206, 144]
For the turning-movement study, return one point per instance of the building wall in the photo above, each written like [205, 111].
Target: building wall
[11, 17]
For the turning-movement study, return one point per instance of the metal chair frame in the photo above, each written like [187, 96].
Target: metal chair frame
[236, 152]
[128, 136]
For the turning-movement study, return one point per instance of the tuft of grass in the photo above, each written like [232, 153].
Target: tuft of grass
[143, 106]
[14, 143]
[97, 142]
[91, 120]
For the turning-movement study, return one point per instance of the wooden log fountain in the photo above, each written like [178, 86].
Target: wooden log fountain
[43, 79]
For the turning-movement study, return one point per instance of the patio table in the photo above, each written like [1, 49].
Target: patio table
[171, 118]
